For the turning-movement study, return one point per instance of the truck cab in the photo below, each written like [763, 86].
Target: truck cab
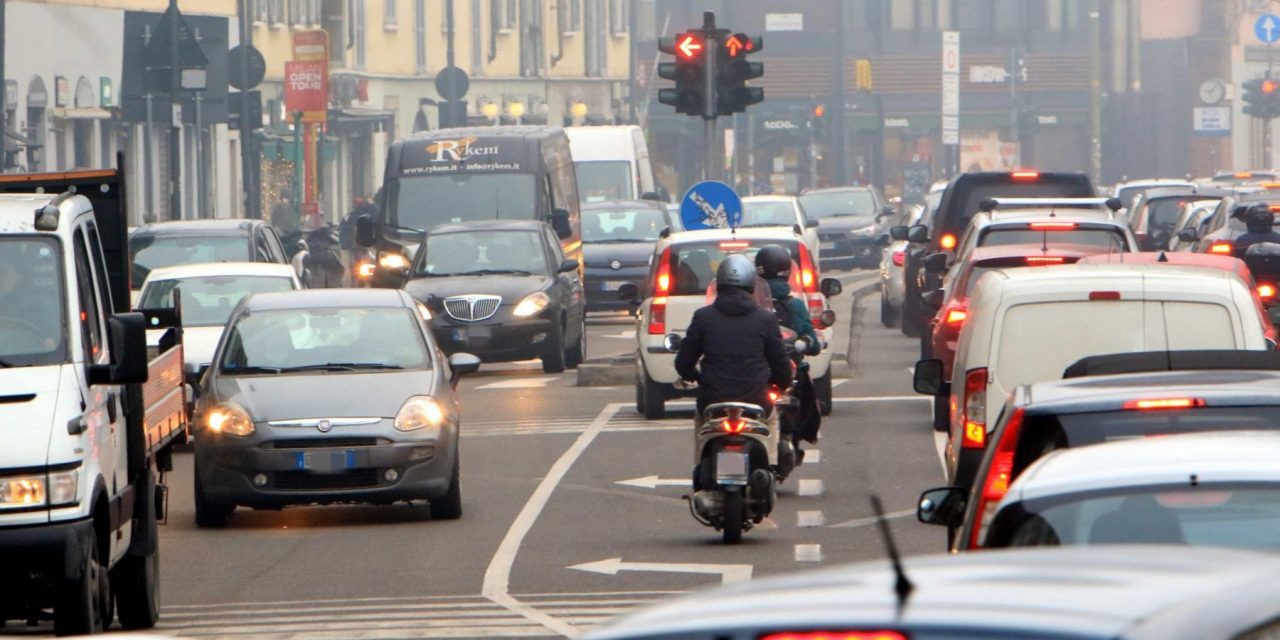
[81, 436]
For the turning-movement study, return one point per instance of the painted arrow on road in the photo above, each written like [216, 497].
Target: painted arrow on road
[611, 567]
[653, 482]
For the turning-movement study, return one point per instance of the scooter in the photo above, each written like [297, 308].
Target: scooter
[733, 483]
[1263, 260]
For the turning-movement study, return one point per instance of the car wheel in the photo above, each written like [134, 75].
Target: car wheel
[450, 506]
[135, 579]
[209, 514]
[83, 599]
[578, 354]
[654, 406]
[553, 360]
[822, 389]
[941, 414]
[926, 342]
[888, 315]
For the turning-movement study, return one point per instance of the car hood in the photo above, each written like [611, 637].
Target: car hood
[324, 395]
[845, 224]
[28, 411]
[511, 288]
[629, 254]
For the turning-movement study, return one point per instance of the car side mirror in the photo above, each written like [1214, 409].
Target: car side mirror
[936, 262]
[887, 212]
[365, 232]
[1189, 234]
[568, 265]
[650, 195]
[830, 287]
[672, 342]
[883, 240]
[943, 506]
[898, 232]
[462, 364]
[127, 337]
[918, 233]
[629, 292]
[933, 299]
[811, 223]
[929, 379]
[1114, 204]
[560, 223]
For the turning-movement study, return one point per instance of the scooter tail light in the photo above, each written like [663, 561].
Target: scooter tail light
[974, 418]
[947, 241]
[731, 425]
[899, 258]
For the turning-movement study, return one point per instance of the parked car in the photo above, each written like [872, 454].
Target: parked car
[849, 220]
[168, 244]
[617, 244]
[502, 290]
[277, 423]
[782, 211]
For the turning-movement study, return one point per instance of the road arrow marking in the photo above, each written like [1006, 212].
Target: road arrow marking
[653, 482]
[611, 567]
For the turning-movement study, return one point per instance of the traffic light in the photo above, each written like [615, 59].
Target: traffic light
[818, 121]
[733, 71]
[1262, 98]
[688, 72]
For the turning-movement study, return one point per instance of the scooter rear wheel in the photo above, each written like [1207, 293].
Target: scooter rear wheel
[734, 503]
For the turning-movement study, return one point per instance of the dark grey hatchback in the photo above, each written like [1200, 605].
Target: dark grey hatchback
[328, 396]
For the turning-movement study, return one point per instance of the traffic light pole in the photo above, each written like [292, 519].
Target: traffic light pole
[711, 47]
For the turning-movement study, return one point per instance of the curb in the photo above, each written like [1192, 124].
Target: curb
[607, 373]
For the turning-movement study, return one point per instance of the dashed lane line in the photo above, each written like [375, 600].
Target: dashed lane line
[518, 383]
[806, 519]
[808, 553]
[810, 487]
[812, 456]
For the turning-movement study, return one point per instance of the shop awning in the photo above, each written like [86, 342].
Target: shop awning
[358, 116]
[81, 113]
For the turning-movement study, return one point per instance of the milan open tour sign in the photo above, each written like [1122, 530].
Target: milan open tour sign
[306, 89]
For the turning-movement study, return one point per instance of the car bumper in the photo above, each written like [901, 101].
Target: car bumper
[41, 555]
[496, 342]
[323, 474]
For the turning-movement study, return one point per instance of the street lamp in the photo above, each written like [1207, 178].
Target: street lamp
[489, 109]
[515, 109]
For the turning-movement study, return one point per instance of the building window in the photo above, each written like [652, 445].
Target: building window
[593, 43]
[569, 13]
[1009, 15]
[973, 15]
[258, 9]
[420, 34]
[902, 15]
[531, 39]
[619, 16]
[389, 15]
[503, 14]
[1064, 15]
[275, 12]
[359, 35]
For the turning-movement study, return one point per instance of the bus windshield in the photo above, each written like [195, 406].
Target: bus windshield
[423, 202]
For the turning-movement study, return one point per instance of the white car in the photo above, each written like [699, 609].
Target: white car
[893, 286]
[1129, 191]
[209, 292]
[1215, 488]
[680, 275]
[1069, 221]
[1027, 325]
[782, 211]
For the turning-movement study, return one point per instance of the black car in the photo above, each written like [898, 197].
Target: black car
[167, 244]
[849, 219]
[502, 290]
[617, 243]
[960, 201]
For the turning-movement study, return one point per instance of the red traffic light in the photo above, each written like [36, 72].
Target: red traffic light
[1269, 87]
[740, 44]
[819, 111]
[688, 46]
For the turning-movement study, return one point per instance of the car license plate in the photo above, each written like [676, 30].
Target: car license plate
[613, 285]
[828, 245]
[460, 334]
[731, 468]
[325, 460]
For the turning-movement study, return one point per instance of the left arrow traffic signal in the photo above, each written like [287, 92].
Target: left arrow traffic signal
[688, 72]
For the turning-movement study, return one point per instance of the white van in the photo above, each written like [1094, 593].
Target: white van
[1028, 325]
[612, 163]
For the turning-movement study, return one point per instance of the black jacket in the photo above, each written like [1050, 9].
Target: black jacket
[1250, 238]
[739, 347]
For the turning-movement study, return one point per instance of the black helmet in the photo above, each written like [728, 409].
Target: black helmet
[736, 271]
[1259, 219]
[773, 261]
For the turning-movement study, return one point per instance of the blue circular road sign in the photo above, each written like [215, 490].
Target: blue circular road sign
[711, 205]
[1267, 28]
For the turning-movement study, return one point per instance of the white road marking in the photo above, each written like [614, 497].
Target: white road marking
[940, 443]
[862, 522]
[812, 456]
[911, 371]
[838, 381]
[625, 335]
[728, 572]
[518, 383]
[810, 519]
[808, 553]
[653, 482]
[497, 577]
[882, 399]
[810, 487]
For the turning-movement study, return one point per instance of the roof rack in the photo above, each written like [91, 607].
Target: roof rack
[991, 204]
[1152, 361]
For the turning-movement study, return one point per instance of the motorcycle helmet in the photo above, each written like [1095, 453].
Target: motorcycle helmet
[773, 261]
[736, 271]
[1259, 219]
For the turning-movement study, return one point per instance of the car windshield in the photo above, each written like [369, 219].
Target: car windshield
[423, 202]
[324, 339]
[1233, 515]
[600, 180]
[482, 252]
[207, 301]
[999, 236]
[622, 225]
[32, 316]
[768, 213]
[157, 250]
[694, 264]
[855, 203]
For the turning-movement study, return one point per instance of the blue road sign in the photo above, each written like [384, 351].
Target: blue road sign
[711, 205]
[1267, 28]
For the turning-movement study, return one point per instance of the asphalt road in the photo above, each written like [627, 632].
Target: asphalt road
[573, 513]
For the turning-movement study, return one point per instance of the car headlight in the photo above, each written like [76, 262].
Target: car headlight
[393, 261]
[420, 412]
[54, 489]
[229, 418]
[532, 304]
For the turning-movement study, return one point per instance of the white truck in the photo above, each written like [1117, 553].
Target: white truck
[87, 415]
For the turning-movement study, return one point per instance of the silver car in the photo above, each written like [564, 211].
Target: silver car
[328, 396]
[892, 284]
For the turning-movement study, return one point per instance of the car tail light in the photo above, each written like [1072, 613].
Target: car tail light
[1273, 208]
[1025, 176]
[899, 258]
[1266, 291]
[955, 315]
[999, 476]
[835, 635]
[1242, 175]
[974, 417]
[661, 289]
[734, 244]
[1156, 404]
[1033, 261]
[1104, 295]
[1052, 226]
[809, 284]
[947, 241]
[1220, 248]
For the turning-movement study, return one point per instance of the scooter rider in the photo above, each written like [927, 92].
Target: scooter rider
[773, 263]
[733, 348]
[1260, 225]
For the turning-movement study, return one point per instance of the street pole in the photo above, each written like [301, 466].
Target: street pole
[710, 49]
[175, 121]
[1095, 90]
[632, 56]
[445, 110]
[837, 110]
[249, 165]
[1015, 133]
[299, 171]
[4, 91]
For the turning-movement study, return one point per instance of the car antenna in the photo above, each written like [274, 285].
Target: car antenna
[902, 585]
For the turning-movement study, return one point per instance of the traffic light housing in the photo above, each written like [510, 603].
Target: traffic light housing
[1261, 98]
[688, 72]
[733, 71]
[818, 121]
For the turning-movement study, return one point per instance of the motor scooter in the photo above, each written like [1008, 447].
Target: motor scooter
[1263, 260]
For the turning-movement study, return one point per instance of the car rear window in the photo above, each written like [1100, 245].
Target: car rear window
[694, 264]
[1163, 214]
[999, 236]
[769, 213]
